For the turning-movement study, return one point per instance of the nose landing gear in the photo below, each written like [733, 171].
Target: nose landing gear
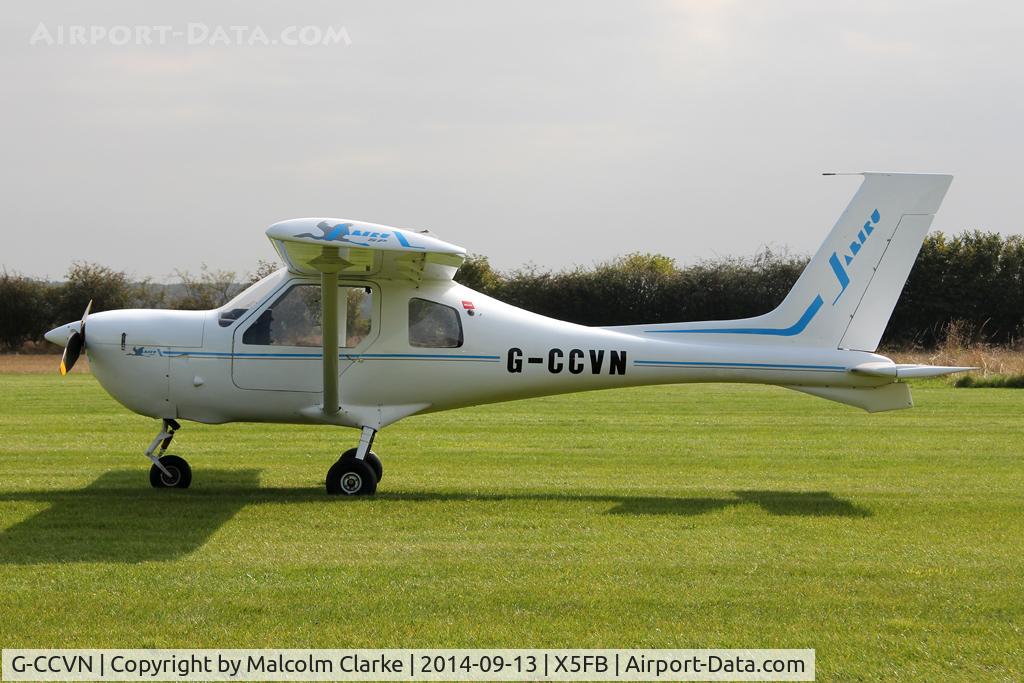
[168, 471]
[358, 470]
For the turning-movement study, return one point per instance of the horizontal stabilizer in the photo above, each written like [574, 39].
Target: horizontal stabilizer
[907, 370]
[894, 396]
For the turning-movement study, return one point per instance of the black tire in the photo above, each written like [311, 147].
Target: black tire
[351, 477]
[375, 464]
[181, 474]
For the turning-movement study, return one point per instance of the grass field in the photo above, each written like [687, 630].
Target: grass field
[698, 516]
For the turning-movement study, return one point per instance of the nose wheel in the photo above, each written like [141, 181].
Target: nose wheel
[175, 473]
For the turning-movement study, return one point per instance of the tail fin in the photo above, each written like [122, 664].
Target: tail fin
[846, 294]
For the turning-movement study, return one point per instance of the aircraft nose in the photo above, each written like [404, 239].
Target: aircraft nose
[59, 335]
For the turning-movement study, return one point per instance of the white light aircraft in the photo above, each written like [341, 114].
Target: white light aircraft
[365, 326]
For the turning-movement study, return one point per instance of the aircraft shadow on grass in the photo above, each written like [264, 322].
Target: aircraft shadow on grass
[116, 519]
[786, 503]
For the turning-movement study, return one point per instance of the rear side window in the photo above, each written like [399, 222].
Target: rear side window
[433, 325]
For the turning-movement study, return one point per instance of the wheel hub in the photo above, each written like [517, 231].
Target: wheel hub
[351, 483]
[173, 479]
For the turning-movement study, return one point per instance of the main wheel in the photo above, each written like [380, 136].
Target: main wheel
[375, 464]
[181, 473]
[351, 477]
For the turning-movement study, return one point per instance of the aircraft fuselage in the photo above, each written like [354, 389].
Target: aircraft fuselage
[189, 365]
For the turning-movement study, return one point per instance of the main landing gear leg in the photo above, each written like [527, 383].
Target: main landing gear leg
[358, 470]
[168, 471]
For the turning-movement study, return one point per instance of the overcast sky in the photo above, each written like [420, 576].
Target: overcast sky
[560, 133]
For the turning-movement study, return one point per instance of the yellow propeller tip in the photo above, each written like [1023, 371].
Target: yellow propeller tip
[63, 370]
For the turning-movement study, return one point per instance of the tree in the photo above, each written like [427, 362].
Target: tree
[263, 269]
[975, 279]
[477, 273]
[24, 315]
[207, 290]
[108, 289]
[147, 294]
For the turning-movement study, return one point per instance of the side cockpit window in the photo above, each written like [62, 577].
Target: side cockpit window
[433, 325]
[294, 319]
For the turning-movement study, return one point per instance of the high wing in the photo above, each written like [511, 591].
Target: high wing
[334, 248]
[311, 246]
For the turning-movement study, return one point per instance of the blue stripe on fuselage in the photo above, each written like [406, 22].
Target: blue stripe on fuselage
[791, 331]
[737, 366]
[342, 356]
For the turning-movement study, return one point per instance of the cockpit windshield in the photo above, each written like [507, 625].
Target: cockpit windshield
[251, 296]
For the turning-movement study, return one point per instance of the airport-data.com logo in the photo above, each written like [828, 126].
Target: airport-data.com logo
[196, 34]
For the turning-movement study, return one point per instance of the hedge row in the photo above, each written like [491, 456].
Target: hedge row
[974, 281]
[30, 307]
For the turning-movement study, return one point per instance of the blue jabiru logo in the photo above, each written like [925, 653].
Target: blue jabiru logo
[839, 267]
[345, 232]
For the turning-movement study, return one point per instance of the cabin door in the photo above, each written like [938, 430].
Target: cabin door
[279, 346]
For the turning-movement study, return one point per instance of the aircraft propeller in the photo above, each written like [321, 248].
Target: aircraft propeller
[76, 342]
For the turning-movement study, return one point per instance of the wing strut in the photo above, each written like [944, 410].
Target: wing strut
[328, 262]
[329, 326]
